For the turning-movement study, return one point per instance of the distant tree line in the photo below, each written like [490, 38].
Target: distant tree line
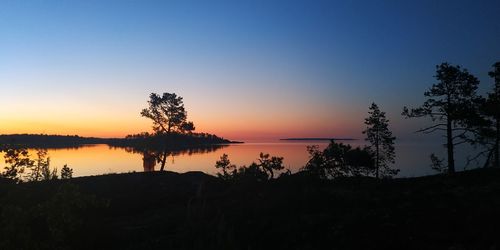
[49, 141]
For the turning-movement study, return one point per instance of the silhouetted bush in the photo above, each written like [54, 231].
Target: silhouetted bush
[339, 160]
[66, 172]
[20, 167]
[262, 171]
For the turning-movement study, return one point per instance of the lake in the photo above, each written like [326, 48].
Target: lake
[412, 158]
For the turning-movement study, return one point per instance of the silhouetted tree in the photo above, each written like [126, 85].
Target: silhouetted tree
[66, 172]
[41, 171]
[269, 164]
[452, 104]
[162, 158]
[228, 170]
[18, 161]
[168, 113]
[22, 168]
[41, 167]
[169, 116]
[339, 160]
[492, 112]
[381, 141]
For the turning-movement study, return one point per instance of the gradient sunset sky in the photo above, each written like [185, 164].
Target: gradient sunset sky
[246, 70]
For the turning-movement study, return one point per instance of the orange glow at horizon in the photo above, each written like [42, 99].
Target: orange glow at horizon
[244, 120]
[234, 130]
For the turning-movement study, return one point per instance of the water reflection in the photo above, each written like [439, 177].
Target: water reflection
[148, 161]
[151, 156]
[411, 157]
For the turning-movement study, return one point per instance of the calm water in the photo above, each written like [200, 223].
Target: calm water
[412, 158]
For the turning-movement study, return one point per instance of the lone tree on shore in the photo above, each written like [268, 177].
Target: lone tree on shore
[452, 105]
[169, 116]
[167, 113]
[381, 141]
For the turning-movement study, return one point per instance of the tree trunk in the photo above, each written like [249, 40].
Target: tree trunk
[449, 146]
[377, 163]
[377, 154]
[497, 148]
[488, 159]
[163, 160]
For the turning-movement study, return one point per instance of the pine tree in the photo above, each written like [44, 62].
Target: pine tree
[493, 113]
[452, 105]
[381, 141]
[66, 172]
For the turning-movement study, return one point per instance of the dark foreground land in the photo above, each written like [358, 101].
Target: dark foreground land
[197, 211]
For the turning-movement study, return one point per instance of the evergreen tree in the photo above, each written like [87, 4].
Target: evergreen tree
[492, 113]
[452, 105]
[228, 169]
[381, 141]
[66, 172]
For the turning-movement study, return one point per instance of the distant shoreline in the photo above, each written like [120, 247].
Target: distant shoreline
[66, 141]
[317, 139]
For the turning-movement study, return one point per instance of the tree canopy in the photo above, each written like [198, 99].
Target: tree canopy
[167, 113]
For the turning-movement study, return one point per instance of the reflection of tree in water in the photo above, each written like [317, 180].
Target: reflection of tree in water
[148, 161]
[151, 156]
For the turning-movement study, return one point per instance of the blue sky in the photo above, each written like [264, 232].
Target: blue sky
[245, 68]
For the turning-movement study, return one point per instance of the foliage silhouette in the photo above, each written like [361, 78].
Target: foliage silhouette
[41, 169]
[381, 141]
[339, 160]
[269, 164]
[262, 171]
[20, 167]
[50, 141]
[228, 170]
[66, 172]
[452, 105]
[437, 164]
[42, 141]
[167, 113]
[18, 161]
[491, 135]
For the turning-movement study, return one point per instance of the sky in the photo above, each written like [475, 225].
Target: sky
[246, 69]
